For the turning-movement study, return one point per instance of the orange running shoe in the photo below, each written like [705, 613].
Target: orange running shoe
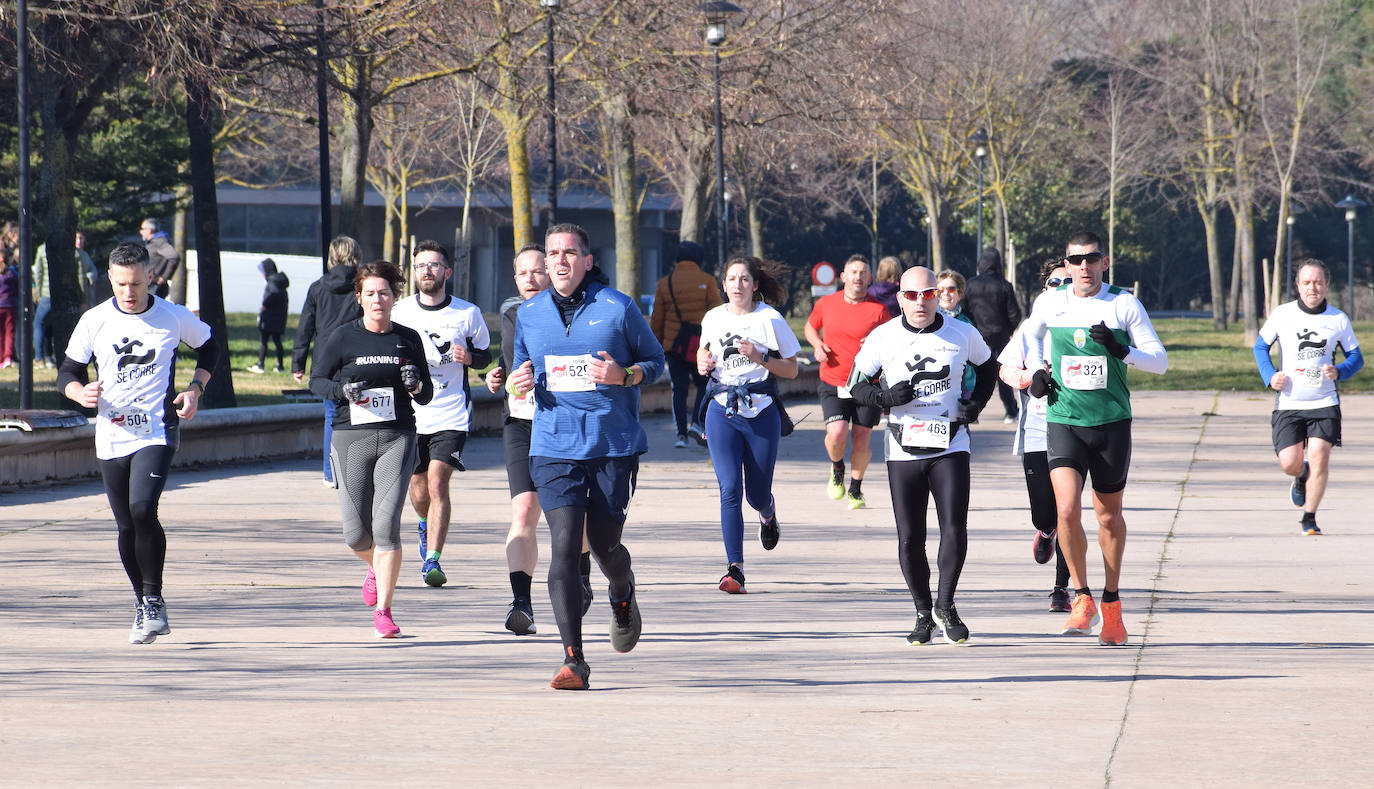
[1113, 632]
[574, 674]
[733, 580]
[1083, 618]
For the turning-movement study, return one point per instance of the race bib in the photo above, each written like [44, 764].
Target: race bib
[1040, 406]
[378, 405]
[926, 433]
[569, 373]
[1309, 377]
[1083, 372]
[132, 421]
[521, 406]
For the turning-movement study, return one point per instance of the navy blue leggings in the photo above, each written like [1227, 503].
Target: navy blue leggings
[744, 452]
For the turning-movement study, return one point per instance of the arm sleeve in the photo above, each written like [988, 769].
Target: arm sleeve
[1035, 329]
[71, 370]
[207, 355]
[1013, 307]
[417, 351]
[1354, 361]
[713, 298]
[1147, 352]
[518, 353]
[656, 316]
[305, 332]
[644, 347]
[507, 337]
[1262, 360]
[479, 345]
[864, 377]
[328, 361]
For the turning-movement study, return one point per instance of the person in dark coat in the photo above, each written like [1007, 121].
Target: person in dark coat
[991, 302]
[272, 314]
[884, 287]
[329, 303]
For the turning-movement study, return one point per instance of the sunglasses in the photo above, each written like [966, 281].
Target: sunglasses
[1054, 282]
[949, 289]
[920, 295]
[1078, 260]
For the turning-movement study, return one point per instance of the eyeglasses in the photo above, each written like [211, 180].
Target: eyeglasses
[920, 295]
[430, 267]
[1054, 282]
[1078, 260]
[949, 289]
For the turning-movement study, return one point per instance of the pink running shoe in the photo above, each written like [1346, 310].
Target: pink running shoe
[386, 626]
[370, 589]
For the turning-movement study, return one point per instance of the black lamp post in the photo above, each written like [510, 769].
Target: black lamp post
[1293, 211]
[552, 6]
[322, 111]
[1352, 205]
[980, 152]
[717, 12]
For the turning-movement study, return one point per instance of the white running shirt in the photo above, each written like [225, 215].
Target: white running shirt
[1306, 343]
[455, 323]
[721, 333]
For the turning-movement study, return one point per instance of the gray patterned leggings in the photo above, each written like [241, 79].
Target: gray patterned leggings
[373, 469]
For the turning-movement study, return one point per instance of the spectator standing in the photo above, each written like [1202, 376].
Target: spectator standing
[991, 302]
[9, 304]
[163, 258]
[884, 287]
[272, 313]
[681, 300]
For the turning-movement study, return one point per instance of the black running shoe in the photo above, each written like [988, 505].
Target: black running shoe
[1309, 527]
[951, 625]
[1298, 492]
[520, 617]
[574, 674]
[586, 594]
[1043, 547]
[1059, 600]
[625, 622]
[769, 532]
[924, 630]
[733, 580]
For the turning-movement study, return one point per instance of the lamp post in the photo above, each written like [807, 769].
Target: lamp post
[717, 12]
[551, 6]
[322, 111]
[980, 152]
[1352, 205]
[1293, 211]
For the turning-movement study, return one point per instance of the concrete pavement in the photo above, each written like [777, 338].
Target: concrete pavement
[1251, 658]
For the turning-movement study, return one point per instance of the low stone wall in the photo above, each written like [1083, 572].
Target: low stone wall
[244, 434]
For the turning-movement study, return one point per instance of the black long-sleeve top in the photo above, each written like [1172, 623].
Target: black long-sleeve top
[352, 353]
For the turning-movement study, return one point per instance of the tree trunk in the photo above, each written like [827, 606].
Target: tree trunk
[355, 141]
[939, 222]
[624, 196]
[1234, 310]
[518, 158]
[1245, 231]
[695, 185]
[1215, 275]
[756, 230]
[201, 121]
[178, 292]
[58, 117]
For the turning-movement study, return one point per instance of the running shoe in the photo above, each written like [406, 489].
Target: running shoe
[855, 500]
[586, 594]
[1113, 632]
[835, 488]
[769, 532]
[1309, 527]
[1059, 600]
[433, 573]
[951, 626]
[328, 483]
[520, 617]
[424, 544]
[136, 634]
[1008, 420]
[256, 368]
[573, 674]
[733, 581]
[921, 634]
[625, 622]
[1083, 618]
[386, 626]
[1298, 492]
[155, 616]
[370, 589]
[278, 369]
[681, 442]
[1043, 546]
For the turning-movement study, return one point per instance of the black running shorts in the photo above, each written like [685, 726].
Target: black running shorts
[515, 436]
[1295, 426]
[446, 446]
[846, 409]
[1102, 452]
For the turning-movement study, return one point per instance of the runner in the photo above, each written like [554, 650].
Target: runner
[133, 340]
[522, 547]
[1030, 444]
[584, 349]
[1307, 405]
[1089, 414]
[913, 366]
[454, 337]
[745, 345]
[837, 326]
[370, 369]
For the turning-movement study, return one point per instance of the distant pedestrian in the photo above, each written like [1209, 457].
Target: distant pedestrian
[9, 306]
[163, 258]
[272, 314]
[884, 287]
[680, 301]
[991, 302]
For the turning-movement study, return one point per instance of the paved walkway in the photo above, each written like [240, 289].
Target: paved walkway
[1250, 661]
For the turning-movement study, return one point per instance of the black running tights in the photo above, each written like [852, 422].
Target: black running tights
[565, 579]
[1044, 514]
[263, 337]
[133, 485]
[912, 483]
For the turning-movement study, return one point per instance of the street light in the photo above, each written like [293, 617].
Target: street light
[551, 6]
[717, 12]
[1293, 211]
[980, 152]
[1352, 205]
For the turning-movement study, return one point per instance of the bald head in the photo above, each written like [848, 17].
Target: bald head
[921, 310]
[918, 278]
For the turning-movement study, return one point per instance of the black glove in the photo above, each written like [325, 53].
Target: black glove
[1041, 383]
[1104, 337]
[897, 394]
[353, 391]
[968, 411]
[410, 377]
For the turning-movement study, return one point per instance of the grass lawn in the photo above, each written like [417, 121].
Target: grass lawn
[1199, 358]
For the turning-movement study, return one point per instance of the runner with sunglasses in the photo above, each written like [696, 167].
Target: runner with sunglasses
[913, 366]
[1030, 444]
[1090, 333]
